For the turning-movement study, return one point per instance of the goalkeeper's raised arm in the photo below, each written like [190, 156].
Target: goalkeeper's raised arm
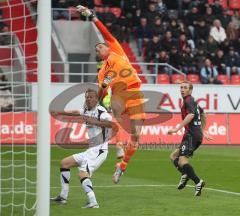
[110, 40]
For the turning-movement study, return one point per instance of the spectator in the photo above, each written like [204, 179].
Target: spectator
[232, 61]
[191, 20]
[151, 14]
[158, 28]
[225, 46]
[225, 18]
[153, 47]
[183, 29]
[183, 43]
[219, 61]
[196, 3]
[124, 28]
[188, 63]
[161, 8]
[110, 20]
[175, 59]
[171, 14]
[89, 3]
[115, 30]
[143, 35]
[211, 46]
[131, 8]
[237, 46]
[236, 18]
[186, 4]
[218, 32]
[162, 57]
[201, 32]
[202, 6]
[209, 17]
[209, 73]
[173, 27]
[107, 16]
[60, 9]
[217, 8]
[136, 18]
[232, 33]
[200, 57]
[6, 100]
[168, 42]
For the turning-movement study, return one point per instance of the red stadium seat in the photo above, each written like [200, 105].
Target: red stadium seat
[98, 9]
[143, 79]
[234, 4]
[137, 68]
[235, 80]
[230, 12]
[163, 79]
[193, 78]
[223, 79]
[177, 78]
[98, 2]
[224, 3]
[116, 11]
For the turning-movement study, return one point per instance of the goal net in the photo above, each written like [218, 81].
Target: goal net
[18, 123]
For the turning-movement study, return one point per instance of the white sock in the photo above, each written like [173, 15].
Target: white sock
[65, 178]
[87, 187]
[91, 197]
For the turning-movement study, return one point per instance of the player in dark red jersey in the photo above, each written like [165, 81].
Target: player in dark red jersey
[194, 121]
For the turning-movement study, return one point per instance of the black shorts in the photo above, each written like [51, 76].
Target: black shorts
[189, 145]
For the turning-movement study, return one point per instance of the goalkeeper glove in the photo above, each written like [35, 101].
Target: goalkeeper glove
[85, 11]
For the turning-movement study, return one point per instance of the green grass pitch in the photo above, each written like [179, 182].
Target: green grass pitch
[149, 185]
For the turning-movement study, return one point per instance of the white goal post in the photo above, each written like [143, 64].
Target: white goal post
[44, 77]
[25, 48]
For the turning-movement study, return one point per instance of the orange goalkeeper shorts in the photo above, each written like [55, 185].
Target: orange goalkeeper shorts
[132, 99]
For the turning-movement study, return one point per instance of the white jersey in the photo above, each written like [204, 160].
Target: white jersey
[98, 135]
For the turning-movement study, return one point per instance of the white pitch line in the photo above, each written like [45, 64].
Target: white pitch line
[206, 188]
[224, 191]
[202, 160]
[161, 185]
[135, 186]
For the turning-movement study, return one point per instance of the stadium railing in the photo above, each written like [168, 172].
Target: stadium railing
[85, 74]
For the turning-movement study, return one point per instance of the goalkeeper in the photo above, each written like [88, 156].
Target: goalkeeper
[118, 74]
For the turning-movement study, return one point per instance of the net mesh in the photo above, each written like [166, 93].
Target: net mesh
[18, 57]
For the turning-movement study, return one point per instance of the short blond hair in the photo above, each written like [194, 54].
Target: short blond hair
[189, 83]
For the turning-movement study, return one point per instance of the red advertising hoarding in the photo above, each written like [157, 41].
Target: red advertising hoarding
[20, 128]
[234, 130]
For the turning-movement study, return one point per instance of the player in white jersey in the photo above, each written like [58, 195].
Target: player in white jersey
[99, 124]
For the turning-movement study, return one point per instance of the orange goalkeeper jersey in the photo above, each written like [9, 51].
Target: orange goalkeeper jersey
[117, 67]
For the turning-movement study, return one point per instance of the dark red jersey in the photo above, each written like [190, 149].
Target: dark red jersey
[190, 106]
